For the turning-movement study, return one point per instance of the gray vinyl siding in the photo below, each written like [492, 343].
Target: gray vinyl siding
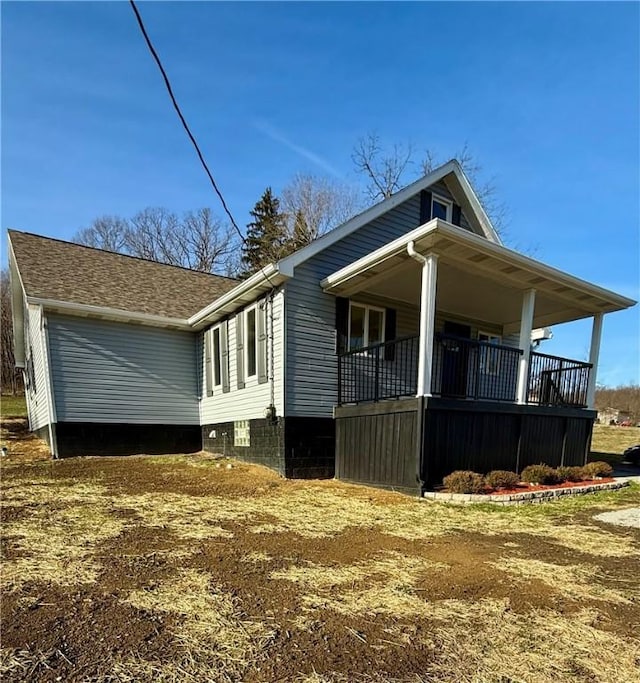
[38, 391]
[311, 375]
[251, 401]
[122, 373]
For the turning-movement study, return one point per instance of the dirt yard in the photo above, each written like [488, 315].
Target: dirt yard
[179, 569]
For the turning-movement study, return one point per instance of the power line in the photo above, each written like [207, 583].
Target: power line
[185, 125]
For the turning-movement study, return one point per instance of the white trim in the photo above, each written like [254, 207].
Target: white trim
[365, 337]
[436, 227]
[245, 313]
[247, 291]
[51, 403]
[447, 203]
[116, 314]
[318, 245]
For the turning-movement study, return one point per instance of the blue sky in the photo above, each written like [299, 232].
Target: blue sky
[546, 95]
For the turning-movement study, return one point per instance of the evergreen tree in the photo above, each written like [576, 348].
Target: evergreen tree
[266, 234]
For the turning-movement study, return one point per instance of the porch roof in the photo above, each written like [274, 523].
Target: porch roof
[477, 279]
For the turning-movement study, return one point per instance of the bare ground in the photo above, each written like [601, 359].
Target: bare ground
[179, 569]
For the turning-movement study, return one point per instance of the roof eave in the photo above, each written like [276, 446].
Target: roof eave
[105, 313]
[266, 279]
[437, 227]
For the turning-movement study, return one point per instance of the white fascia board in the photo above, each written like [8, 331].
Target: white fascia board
[116, 314]
[267, 278]
[382, 207]
[481, 244]
[476, 205]
[530, 264]
[387, 251]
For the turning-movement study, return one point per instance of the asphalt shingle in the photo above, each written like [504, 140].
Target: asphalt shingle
[64, 271]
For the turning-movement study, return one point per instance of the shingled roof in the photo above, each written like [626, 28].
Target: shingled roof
[63, 271]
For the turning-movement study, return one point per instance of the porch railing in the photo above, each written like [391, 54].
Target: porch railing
[382, 371]
[462, 368]
[466, 368]
[555, 381]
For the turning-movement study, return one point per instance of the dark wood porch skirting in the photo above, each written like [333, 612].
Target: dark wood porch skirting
[376, 444]
[98, 438]
[379, 443]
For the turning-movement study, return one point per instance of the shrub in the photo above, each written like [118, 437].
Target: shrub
[570, 473]
[597, 469]
[539, 474]
[501, 479]
[464, 481]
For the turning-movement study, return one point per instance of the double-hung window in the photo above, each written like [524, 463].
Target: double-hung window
[441, 208]
[251, 346]
[489, 358]
[366, 325]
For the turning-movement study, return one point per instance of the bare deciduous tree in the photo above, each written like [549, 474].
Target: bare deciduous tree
[10, 378]
[384, 171]
[314, 204]
[387, 171]
[196, 240]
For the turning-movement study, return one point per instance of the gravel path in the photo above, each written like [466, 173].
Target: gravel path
[628, 517]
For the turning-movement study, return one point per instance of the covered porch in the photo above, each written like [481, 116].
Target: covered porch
[464, 352]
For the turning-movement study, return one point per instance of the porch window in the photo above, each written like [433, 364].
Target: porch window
[366, 326]
[251, 345]
[441, 208]
[489, 358]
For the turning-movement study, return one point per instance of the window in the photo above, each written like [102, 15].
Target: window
[217, 357]
[366, 326]
[441, 208]
[241, 433]
[489, 358]
[251, 345]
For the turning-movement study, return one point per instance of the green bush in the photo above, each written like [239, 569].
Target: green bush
[597, 469]
[502, 479]
[539, 474]
[464, 481]
[570, 473]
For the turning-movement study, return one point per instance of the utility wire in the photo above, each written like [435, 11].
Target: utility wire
[185, 125]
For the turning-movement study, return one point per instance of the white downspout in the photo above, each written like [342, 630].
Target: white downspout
[427, 317]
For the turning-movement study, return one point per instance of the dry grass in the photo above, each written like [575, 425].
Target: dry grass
[541, 646]
[57, 545]
[213, 633]
[385, 585]
[613, 440]
[576, 582]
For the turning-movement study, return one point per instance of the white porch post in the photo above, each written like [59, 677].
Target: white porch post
[594, 352]
[526, 325]
[427, 323]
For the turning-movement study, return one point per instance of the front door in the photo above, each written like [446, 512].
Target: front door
[455, 360]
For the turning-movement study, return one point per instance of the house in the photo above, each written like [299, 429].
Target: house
[613, 416]
[390, 351]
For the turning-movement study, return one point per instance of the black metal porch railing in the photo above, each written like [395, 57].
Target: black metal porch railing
[381, 371]
[555, 381]
[467, 368]
[462, 368]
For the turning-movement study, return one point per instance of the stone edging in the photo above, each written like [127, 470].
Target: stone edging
[524, 498]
